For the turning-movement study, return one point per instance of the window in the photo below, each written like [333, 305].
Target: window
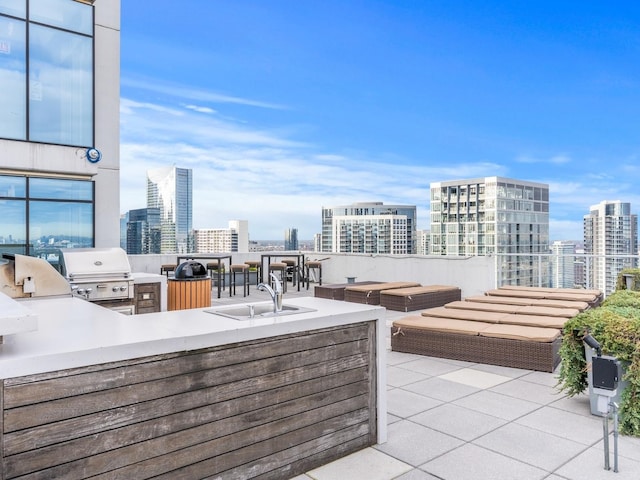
[46, 72]
[42, 215]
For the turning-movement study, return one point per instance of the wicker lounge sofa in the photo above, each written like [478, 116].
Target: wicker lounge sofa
[335, 291]
[418, 298]
[370, 294]
[592, 297]
[532, 348]
[526, 334]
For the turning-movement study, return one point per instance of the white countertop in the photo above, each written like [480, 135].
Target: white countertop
[75, 333]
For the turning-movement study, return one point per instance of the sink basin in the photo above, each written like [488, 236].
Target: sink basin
[260, 310]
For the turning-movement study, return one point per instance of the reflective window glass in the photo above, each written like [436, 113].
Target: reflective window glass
[60, 87]
[13, 74]
[60, 224]
[13, 187]
[74, 16]
[17, 8]
[54, 188]
[13, 228]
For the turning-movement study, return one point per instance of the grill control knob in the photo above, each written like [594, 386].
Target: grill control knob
[114, 289]
[80, 291]
[123, 288]
[89, 290]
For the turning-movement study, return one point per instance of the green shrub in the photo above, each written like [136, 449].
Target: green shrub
[616, 326]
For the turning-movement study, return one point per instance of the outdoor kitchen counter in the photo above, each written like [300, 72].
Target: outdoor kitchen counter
[189, 391]
[76, 333]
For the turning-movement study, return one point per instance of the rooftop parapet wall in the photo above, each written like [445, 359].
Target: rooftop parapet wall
[473, 275]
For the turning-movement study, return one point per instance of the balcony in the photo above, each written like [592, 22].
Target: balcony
[458, 420]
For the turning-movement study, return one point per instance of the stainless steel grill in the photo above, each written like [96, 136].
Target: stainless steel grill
[100, 275]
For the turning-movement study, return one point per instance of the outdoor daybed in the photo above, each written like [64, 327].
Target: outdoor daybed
[335, 291]
[418, 298]
[525, 335]
[370, 294]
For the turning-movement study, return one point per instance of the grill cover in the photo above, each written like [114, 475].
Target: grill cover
[95, 264]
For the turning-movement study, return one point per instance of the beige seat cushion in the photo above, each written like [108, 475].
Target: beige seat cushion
[548, 311]
[484, 307]
[378, 287]
[541, 302]
[533, 320]
[437, 324]
[581, 291]
[402, 292]
[471, 315]
[518, 332]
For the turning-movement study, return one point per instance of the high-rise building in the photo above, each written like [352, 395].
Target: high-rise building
[369, 227]
[170, 190]
[423, 240]
[494, 216]
[291, 239]
[611, 236]
[563, 264]
[221, 240]
[317, 242]
[143, 231]
[59, 126]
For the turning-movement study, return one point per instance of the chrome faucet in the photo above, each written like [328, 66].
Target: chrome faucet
[276, 293]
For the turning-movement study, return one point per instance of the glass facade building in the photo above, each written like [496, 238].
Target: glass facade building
[494, 215]
[143, 231]
[611, 236]
[369, 228]
[291, 239]
[169, 189]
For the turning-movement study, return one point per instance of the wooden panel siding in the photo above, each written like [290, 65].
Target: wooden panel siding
[266, 409]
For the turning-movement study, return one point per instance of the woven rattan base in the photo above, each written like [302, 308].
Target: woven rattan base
[335, 291]
[528, 355]
[419, 301]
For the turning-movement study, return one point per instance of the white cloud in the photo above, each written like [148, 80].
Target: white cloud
[185, 92]
[200, 109]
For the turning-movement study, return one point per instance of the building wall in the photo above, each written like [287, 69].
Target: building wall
[493, 215]
[473, 275]
[21, 157]
[369, 227]
[610, 233]
[170, 190]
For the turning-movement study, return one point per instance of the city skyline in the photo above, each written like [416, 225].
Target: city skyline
[283, 108]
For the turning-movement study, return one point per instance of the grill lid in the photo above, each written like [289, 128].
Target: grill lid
[95, 263]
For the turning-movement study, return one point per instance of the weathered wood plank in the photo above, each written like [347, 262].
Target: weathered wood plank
[43, 413]
[43, 387]
[199, 461]
[276, 406]
[373, 379]
[50, 434]
[117, 448]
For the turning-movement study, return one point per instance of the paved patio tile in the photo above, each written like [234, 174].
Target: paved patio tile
[415, 444]
[398, 358]
[405, 404]
[475, 378]
[628, 447]
[430, 366]
[590, 464]
[578, 404]
[498, 405]
[392, 419]
[471, 462]
[458, 421]
[531, 446]
[436, 387]
[367, 464]
[541, 378]
[398, 377]
[564, 424]
[416, 474]
[500, 370]
[532, 392]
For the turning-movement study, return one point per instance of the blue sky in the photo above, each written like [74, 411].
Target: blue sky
[282, 107]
